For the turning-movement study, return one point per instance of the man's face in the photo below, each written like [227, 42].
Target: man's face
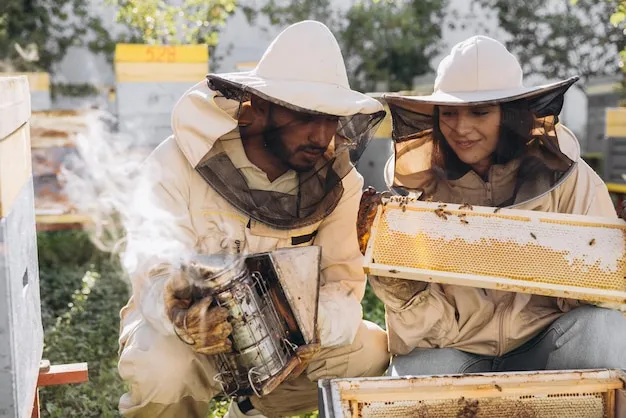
[298, 139]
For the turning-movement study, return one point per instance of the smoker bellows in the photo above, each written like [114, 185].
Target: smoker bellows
[272, 303]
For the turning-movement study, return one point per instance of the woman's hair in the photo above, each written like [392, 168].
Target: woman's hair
[516, 123]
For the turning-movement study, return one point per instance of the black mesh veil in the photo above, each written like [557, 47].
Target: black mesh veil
[528, 146]
[314, 194]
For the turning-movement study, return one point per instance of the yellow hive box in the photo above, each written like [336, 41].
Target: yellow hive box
[15, 163]
[615, 125]
[541, 253]
[160, 63]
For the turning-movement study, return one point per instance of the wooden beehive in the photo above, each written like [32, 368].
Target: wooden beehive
[149, 81]
[21, 333]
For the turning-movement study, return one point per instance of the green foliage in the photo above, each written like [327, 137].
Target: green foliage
[618, 19]
[73, 90]
[158, 22]
[385, 43]
[390, 41]
[82, 291]
[44, 31]
[285, 12]
[373, 308]
[559, 39]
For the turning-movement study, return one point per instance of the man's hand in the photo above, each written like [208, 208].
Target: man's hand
[200, 323]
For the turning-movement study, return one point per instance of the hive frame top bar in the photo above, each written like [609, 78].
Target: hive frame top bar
[495, 282]
[398, 202]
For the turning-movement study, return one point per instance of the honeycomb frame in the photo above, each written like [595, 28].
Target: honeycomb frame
[542, 394]
[550, 254]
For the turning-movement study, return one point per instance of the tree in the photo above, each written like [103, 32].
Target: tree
[560, 39]
[387, 42]
[35, 35]
[390, 41]
[618, 19]
[188, 22]
[285, 12]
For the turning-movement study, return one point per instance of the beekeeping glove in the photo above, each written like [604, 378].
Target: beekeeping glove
[197, 320]
[367, 212]
[397, 294]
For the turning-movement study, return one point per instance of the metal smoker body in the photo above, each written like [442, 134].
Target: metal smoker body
[272, 304]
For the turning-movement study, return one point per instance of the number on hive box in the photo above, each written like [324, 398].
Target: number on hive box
[161, 53]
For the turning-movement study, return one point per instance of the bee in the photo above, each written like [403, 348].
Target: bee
[445, 212]
[429, 199]
[441, 206]
[466, 206]
[403, 207]
[497, 210]
[533, 235]
[464, 221]
[592, 242]
[441, 214]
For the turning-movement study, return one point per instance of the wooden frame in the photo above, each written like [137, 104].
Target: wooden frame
[61, 222]
[60, 374]
[491, 282]
[342, 397]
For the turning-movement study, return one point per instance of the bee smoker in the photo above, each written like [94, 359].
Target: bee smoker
[270, 316]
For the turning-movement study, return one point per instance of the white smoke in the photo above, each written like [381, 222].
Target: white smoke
[110, 181]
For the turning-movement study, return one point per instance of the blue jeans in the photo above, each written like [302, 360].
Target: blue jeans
[584, 338]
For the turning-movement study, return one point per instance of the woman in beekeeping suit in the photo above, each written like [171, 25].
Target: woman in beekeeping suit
[483, 138]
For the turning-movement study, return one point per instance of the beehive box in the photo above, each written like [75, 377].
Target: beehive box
[21, 333]
[39, 86]
[545, 394]
[542, 253]
[52, 143]
[149, 81]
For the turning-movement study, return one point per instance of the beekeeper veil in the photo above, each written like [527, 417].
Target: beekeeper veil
[302, 71]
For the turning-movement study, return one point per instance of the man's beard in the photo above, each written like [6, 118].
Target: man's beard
[275, 144]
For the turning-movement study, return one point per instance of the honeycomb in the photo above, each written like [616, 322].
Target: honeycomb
[531, 246]
[575, 405]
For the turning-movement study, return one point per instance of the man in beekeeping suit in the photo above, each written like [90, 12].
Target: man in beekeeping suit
[258, 161]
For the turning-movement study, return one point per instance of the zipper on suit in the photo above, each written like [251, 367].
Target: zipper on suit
[488, 186]
[501, 337]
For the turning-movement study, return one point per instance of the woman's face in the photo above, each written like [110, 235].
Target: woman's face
[472, 133]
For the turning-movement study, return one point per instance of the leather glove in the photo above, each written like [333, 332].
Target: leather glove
[197, 320]
[367, 212]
